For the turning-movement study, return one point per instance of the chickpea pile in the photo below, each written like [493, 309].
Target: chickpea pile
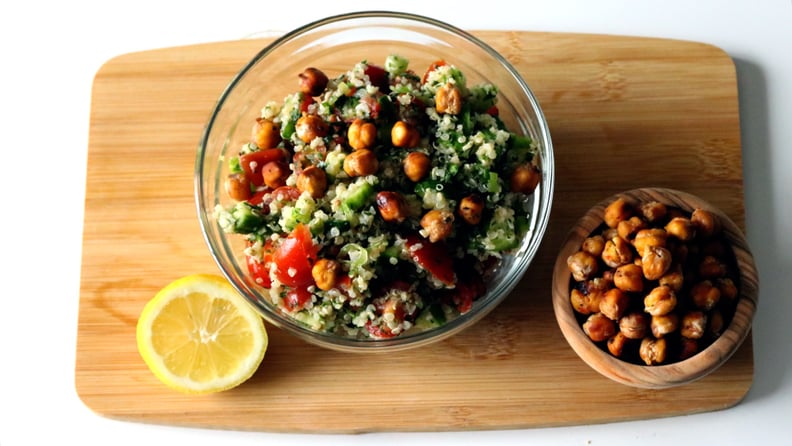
[654, 284]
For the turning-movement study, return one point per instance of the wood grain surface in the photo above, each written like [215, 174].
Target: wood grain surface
[623, 112]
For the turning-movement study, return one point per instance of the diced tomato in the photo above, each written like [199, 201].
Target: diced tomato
[259, 270]
[296, 298]
[374, 106]
[294, 258]
[305, 101]
[466, 292]
[252, 163]
[378, 331]
[493, 111]
[378, 76]
[433, 257]
[435, 65]
[258, 197]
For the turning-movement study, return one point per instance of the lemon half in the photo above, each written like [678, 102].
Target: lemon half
[198, 335]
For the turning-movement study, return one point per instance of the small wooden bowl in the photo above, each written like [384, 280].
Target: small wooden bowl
[673, 374]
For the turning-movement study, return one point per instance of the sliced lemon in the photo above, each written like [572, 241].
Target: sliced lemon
[198, 335]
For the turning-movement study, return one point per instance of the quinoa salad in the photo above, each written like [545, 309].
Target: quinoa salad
[373, 204]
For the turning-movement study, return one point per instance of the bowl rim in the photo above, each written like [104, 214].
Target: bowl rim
[529, 248]
[673, 374]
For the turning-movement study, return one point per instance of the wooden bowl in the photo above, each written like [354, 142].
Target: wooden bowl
[663, 375]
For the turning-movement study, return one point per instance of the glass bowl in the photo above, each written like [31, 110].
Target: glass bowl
[335, 44]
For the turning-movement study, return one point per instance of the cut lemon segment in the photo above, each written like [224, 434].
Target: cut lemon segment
[198, 335]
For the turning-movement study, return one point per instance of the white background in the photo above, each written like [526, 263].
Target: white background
[51, 51]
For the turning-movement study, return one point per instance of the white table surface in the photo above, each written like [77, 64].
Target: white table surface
[52, 50]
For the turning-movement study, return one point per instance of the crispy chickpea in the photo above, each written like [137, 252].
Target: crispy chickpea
[309, 127]
[448, 99]
[361, 163]
[629, 278]
[614, 304]
[616, 344]
[524, 178]
[471, 209]
[653, 351]
[665, 324]
[438, 224]
[628, 228]
[361, 134]
[598, 327]
[714, 247]
[617, 252]
[634, 325]
[715, 324]
[594, 245]
[655, 262]
[585, 301]
[674, 279]
[705, 295]
[312, 81]
[312, 180]
[681, 228]
[693, 325]
[416, 165]
[707, 225]
[660, 301]
[712, 268]
[391, 206]
[582, 265]
[275, 174]
[687, 348]
[325, 273]
[727, 288]
[618, 210]
[237, 186]
[649, 237]
[653, 211]
[266, 134]
[405, 135]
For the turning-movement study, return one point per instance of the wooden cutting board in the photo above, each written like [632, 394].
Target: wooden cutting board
[624, 113]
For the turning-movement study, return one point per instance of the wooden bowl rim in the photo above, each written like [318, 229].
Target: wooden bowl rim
[670, 375]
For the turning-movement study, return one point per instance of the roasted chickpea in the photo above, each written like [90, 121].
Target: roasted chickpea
[617, 343]
[653, 351]
[448, 99]
[687, 348]
[361, 163]
[628, 228]
[325, 273]
[312, 180]
[392, 206]
[705, 295]
[712, 268]
[707, 225]
[438, 224]
[681, 228]
[312, 81]
[598, 327]
[715, 324]
[275, 174]
[634, 325]
[594, 245]
[309, 127]
[237, 186]
[693, 325]
[654, 211]
[582, 265]
[416, 165]
[629, 278]
[665, 324]
[361, 134]
[618, 210]
[614, 303]
[471, 209]
[405, 135]
[660, 301]
[727, 288]
[617, 252]
[266, 134]
[673, 278]
[655, 262]
[609, 233]
[585, 301]
[649, 237]
[525, 178]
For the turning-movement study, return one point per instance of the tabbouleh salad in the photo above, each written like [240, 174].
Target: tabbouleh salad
[374, 203]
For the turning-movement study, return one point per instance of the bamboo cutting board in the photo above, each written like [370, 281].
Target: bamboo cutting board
[624, 113]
